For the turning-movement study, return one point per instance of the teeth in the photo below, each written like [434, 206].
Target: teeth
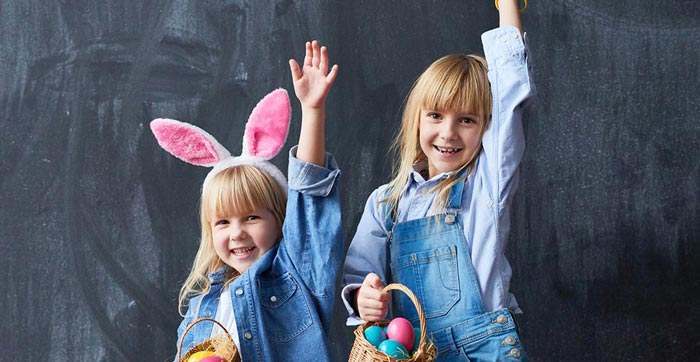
[447, 149]
[242, 251]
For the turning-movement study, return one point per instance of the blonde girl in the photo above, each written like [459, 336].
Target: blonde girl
[440, 226]
[269, 251]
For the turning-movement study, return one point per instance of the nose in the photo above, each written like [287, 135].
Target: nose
[447, 129]
[236, 233]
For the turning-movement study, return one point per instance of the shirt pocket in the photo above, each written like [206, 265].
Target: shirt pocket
[432, 276]
[286, 312]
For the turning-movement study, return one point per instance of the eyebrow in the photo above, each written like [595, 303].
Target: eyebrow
[459, 114]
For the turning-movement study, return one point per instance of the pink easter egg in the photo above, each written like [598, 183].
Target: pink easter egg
[401, 330]
[212, 359]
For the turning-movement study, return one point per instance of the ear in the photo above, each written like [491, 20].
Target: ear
[268, 126]
[187, 142]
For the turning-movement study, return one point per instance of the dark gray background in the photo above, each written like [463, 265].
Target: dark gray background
[98, 225]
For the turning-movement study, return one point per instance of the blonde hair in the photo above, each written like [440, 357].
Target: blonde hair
[235, 190]
[454, 82]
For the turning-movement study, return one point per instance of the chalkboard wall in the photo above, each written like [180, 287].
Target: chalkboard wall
[99, 226]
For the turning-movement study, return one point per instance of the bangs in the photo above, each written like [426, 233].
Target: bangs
[456, 83]
[231, 198]
[240, 190]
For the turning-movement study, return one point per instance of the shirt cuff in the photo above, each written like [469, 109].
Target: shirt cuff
[309, 178]
[504, 46]
[346, 294]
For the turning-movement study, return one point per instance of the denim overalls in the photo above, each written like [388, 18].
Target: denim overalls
[432, 258]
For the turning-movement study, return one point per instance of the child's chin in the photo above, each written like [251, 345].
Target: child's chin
[242, 266]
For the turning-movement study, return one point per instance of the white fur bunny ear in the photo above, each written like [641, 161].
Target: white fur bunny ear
[268, 126]
[188, 143]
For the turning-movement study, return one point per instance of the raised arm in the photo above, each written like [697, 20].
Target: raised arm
[311, 85]
[504, 139]
[509, 13]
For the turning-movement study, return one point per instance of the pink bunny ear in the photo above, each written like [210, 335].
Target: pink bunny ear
[268, 125]
[187, 142]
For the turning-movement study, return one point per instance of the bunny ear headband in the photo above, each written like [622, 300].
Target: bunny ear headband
[265, 134]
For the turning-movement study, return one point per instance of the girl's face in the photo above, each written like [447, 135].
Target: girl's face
[239, 240]
[448, 139]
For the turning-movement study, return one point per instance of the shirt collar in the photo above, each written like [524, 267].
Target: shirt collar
[220, 275]
[420, 167]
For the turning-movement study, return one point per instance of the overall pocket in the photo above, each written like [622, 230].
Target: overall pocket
[285, 312]
[431, 275]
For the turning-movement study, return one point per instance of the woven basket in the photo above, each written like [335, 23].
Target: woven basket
[229, 353]
[363, 351]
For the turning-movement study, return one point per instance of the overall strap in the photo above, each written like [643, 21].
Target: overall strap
[388, 212]
[454, 202]
[389, 215]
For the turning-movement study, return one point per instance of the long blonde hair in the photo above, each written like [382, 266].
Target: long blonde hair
[235, 190]
[454, 82]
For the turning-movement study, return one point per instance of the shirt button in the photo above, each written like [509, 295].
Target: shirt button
[239, 292]
[515, 353]
[273, 299]
[510, 340]
[501, 319]
[247, 335]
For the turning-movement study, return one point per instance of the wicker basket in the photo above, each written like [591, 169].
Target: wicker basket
[363, 351]
[229, 352]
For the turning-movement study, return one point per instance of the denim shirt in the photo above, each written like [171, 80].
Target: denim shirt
[283, 303]
[487, 192]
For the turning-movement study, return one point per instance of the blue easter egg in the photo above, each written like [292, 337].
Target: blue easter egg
[394, 349]
[375, 335]
[416, 333]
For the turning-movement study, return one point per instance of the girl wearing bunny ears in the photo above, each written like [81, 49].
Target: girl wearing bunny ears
[269, 251]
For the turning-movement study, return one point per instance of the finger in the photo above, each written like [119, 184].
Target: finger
[371, 310]
[316, 53]
[372, 316]
[295, 70]
[385, 297]
[323, 64]
[331, 78]
[378, 313]
[375, 303]
[309, 55]
[374, 294]
[375, 282]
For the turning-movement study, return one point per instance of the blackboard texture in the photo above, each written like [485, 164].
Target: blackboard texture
[98, 225]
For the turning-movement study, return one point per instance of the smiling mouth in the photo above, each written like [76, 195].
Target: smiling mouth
[244, 251]
[447, 150]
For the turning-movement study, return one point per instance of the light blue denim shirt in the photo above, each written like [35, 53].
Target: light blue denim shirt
[283, 303]
[487, 193]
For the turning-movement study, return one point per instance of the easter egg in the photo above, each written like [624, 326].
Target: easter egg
[198, 356]
[375, 335]
[212, 359]
[416, 340]
[401, 330]
[394, 349]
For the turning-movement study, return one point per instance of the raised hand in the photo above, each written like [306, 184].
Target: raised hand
[313, 81]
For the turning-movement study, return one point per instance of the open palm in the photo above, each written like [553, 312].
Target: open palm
[313, 81]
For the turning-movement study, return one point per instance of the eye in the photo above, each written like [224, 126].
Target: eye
[252, 217]
[221, 222]
[433, 115]
[467, 120]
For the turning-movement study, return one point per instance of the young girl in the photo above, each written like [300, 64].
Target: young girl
[265, 270]
[440, 226]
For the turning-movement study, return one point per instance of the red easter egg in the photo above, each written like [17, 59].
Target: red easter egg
[401, 330]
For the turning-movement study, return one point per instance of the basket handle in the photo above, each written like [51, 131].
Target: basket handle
[419, 308]
[192, 324]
